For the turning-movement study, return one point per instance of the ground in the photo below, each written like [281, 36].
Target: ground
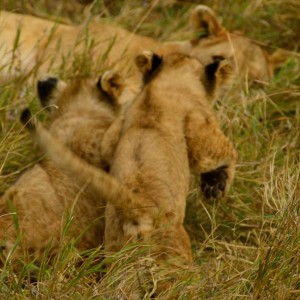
[246, 245]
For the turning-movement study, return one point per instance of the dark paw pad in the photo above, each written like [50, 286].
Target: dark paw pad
[213, 184]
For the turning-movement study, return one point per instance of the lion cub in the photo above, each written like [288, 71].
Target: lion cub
[168, 128]
[44, 199]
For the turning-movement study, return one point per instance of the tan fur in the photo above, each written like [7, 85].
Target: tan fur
[214, 40]
[43, 45]
[167, 129]
[45, 199]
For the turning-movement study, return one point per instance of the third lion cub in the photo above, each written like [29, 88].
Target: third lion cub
[36, 207]
[168, 128]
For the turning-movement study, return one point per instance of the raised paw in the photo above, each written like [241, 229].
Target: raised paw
[213, 183]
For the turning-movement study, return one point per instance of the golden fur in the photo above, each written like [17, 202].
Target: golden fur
[168, 128]
[44, 45]
[214, 41]
[39, 205]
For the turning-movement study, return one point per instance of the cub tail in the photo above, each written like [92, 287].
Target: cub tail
[105, 185]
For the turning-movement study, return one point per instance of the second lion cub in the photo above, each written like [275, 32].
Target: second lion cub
[168, 128]
[36, 207]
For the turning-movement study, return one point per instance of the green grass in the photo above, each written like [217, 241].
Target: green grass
[245, 246]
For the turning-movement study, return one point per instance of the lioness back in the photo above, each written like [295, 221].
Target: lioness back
[43, 45]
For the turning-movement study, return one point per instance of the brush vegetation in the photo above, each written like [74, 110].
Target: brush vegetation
[246, 246]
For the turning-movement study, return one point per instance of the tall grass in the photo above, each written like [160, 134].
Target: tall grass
[244, 246]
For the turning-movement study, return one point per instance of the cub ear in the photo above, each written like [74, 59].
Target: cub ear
[149, 64]
[216, 74]
[28, 120]
[45, 87]
[111, 83]
[204, 22]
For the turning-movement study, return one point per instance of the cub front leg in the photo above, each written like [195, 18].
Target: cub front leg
[210, 153]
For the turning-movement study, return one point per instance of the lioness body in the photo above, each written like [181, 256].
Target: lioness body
[47, 44]
[29, 43]
[46, 204]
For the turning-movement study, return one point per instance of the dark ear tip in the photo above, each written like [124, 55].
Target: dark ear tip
[25, 118]
[156, 61]
[212, 68]
[45, 88]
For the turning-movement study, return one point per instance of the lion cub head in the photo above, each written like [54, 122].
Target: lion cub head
[184, 68]
[81, 110]
[212, 41]
[58, 96]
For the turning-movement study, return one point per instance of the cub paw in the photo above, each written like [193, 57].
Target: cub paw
[213, 183]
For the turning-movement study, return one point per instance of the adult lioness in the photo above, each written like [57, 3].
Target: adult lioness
[29, 44]
[168, 128]
[44, 199]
